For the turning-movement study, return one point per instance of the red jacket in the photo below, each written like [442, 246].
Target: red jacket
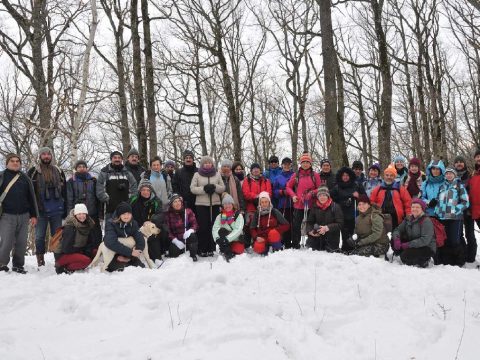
[304, 186]
[251, 188]
[474, 194]
[277, 222]
[402, 201]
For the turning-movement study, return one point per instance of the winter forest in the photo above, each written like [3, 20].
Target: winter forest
[240, 79]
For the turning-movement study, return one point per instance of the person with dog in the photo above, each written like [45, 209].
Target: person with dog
[324, 223]
[227, 230]
[414, 239]
[182, 227]
[267, 226]
[50, 189]
[370, 237]
[78, 242]
[121, 225]
[18, 210]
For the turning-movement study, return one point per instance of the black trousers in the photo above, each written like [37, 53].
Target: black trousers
[116, 265]
[416, 256]
[298, 215]
[192, 246]
[158, 244]
[327, 243]
[347, 231]
[471, 241]
[205, 222]
[287, 235]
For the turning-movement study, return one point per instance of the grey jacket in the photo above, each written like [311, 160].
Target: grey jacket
[203, 199]
[417, 232]
[115, 186]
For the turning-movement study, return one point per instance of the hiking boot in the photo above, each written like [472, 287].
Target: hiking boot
[4, 268]
[63, 270]
[40, 260]
[19, 270]
[194, 258]
[203, 254]
[210, 253]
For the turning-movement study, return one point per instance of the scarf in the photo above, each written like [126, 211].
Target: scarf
[325, 205]
[227, 217]
[388, 206]
[207, 172]
[232, 190]
[412, 185]
[240, 176]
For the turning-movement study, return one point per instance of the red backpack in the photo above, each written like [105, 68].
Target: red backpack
[439, 232]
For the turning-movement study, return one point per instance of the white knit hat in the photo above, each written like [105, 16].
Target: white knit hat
[80, 209]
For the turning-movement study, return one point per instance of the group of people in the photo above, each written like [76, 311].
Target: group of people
[198, 208]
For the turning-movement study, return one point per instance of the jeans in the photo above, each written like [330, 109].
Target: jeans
[55, 222]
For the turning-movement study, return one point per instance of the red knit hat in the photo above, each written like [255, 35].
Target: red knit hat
[306, 157]
[414, 161]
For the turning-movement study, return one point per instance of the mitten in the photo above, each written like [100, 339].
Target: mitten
[209, 188]
[187, 234]
[178, 244]
[405, 245]
[397, 243]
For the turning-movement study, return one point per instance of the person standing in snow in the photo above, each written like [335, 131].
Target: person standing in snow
[232, 184]
[327, 177]
[133, 164]
[283, 201]
[400, 163]
[357, 167]
[168, 174]
[238, 171]
[156, 178]
[272, 172]
[431, 186]
[415, 178]
[373, 180]
[473, 188]
[183, 178]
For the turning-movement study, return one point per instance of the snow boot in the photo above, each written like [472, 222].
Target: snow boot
[40, 260]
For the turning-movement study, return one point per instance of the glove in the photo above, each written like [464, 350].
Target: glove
[209, 189]
[405, 245]
[355, 237]
[223, 233]
[433, 203]
[397, 243]
[178, 244]
[187, 234]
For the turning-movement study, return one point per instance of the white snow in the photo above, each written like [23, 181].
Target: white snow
[252, 308]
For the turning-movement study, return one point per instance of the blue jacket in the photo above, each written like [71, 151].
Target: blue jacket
[271, 174]
[452, 200]
[370, 184]
[279, 190]
[431, 187]
[117, 229]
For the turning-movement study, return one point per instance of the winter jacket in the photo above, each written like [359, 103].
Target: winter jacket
[202, 198]
[240, 199]
[371, 184]
[474, 194]
[77, 237]
[175, 221]
[369, 227]
[251, 188]
[181, 184]
[169, 181]
[136, 170]
[402, 176]
[143, 209]
[303, 184]
[400, 196]
[115, 229]
[272, 174]
[115, 186]
[159, 186]
[21, 197]
[452, 200]
[331, 217]
[431, 187]
[50, 201]
[327, 179]
[283, 201]
[418, 232]
[360, 179]
[262, 224]
[82, 189]
[420, 181]
[235, 228]
[342, 193]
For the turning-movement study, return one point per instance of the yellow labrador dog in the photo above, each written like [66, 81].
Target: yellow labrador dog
[148, 229]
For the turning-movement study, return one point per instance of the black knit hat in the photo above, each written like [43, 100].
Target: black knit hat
[325, 161]
[123, 208]
[188, 153]
[357, 164]
[80, 162]
[255, 165]
[116, 152]
[286, 160]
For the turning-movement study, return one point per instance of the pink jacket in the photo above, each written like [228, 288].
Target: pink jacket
[303, 187]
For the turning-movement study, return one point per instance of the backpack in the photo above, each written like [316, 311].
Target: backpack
[438, 231]
[55, 240]
[297, 177]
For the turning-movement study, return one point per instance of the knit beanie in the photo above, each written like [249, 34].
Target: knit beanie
[264, 194]
[364, 199]
[80, 209]
[357, 164]
[170, 163]
[145, 183]
[80, 162]
[273, 158]
[44, 150]
[375, 166]
[255, 166]
[323, 190]
[400, 158]
[414, 161]
[452, 170]
[306, 157]
[10, 157]
[286, 160]
[123, 208]
[390, 170]
[188, 153]
[459, 158]
[420, 202]
[226, 163]
[133, 151]
[116, 152]
[227, 199]
[174, 197]
[325, 161]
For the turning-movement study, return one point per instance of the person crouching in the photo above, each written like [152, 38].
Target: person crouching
[267, 226]
[78, 241]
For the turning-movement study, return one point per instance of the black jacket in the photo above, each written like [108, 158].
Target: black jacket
[181, 184]
[342, 193]
[136, 170]
[82, 189]
[327, 179]
[21, 197]
[117, 229]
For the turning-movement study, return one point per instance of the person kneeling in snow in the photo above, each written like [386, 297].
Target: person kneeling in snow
[267, 226]
[121, 225]
[414, 238]
[182, 225]
[228, 229]
[370, 238]
[78, 241]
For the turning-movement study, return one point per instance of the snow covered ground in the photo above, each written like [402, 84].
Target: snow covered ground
[289, 305]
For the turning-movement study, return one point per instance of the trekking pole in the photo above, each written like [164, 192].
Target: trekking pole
[355, 207]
